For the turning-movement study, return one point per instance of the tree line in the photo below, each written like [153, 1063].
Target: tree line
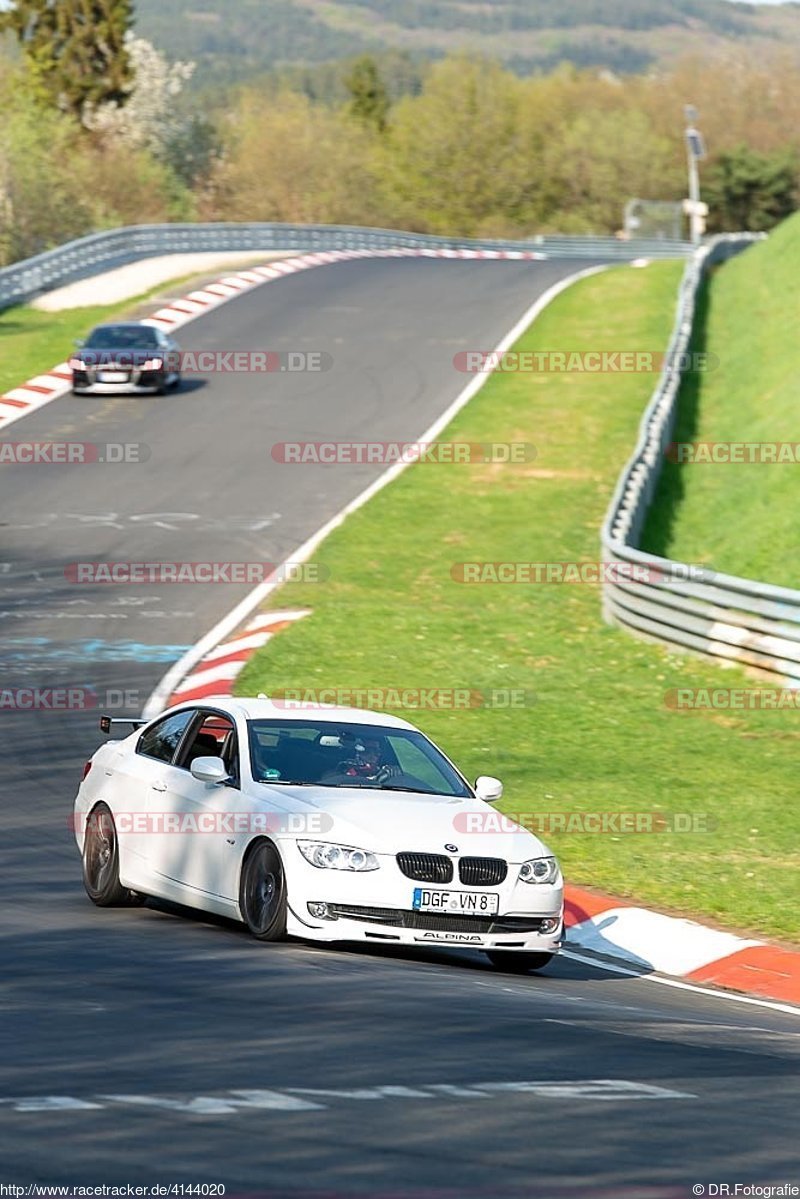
[98, 130]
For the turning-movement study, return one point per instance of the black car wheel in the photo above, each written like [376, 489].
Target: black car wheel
[262, 892]
[101, 861]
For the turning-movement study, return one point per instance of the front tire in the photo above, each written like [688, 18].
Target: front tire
[101, 860]
[518, 963]
[262, 892]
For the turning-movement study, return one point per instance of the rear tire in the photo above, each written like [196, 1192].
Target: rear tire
[518, 963]
[262, 892]
[101, 860]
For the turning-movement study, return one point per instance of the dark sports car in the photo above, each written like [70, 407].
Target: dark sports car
[131, 357]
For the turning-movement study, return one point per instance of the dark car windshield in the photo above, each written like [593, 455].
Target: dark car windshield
[121, 337]
[330, 753]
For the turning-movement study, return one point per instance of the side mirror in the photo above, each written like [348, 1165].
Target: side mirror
[488, 789]
[79, 341]
[210, 770]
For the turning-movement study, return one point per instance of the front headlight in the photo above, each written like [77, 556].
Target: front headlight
[337, 857]
[539, 870]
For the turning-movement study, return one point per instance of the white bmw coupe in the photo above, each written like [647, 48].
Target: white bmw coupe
[330, 825]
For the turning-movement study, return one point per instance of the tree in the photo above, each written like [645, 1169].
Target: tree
[149, 120]
[751, 191]
[154, 119]
[369, 100]
[598, 161]
[454, 160]
[56, 183]
[75, 49]
[42, 197]
[287, 159]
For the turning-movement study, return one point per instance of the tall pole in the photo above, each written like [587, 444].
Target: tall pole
[694, 196]
[695, 150]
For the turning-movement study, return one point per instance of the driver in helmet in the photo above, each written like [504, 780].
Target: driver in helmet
[367, 761]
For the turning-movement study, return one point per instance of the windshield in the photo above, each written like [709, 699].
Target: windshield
[121, 337]
[332, 754]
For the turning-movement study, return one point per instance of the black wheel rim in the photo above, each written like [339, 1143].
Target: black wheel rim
[263, 892]
[101, 851]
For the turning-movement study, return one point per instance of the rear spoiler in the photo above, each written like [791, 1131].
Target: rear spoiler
[107, 721]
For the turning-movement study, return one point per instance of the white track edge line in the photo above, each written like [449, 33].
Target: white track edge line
[710, 991]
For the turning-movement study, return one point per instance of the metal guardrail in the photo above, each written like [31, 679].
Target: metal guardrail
[739, 620]
[87, 256]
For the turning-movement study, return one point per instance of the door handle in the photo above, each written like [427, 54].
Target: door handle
[158, 787]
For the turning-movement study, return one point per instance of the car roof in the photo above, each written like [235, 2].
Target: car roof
[263, 708]
[123, 325]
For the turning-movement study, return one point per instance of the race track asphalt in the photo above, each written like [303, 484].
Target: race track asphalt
[157, 1046]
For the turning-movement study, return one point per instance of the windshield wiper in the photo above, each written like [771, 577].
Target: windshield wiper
[286, 783]
[412, 790]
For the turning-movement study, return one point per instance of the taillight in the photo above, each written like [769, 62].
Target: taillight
[87, 767]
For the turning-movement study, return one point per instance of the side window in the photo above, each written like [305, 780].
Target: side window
[213, 737]
[161, 740]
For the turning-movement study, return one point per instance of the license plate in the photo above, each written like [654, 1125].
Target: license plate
[462, 903]
[112, 376]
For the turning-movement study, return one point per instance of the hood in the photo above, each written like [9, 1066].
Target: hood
[387, 822]
[122, 354]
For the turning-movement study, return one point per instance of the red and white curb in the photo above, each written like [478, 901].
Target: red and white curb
[218, 669]
[42, 389]
[647, 941]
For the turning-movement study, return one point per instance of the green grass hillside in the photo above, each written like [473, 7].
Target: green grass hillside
[741, 517]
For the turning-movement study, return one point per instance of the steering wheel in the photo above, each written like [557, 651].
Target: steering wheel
[381, 774]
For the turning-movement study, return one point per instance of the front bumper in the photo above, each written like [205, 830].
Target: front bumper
[115, 389]
[406, 928]
[376, 907]
[137, 383]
